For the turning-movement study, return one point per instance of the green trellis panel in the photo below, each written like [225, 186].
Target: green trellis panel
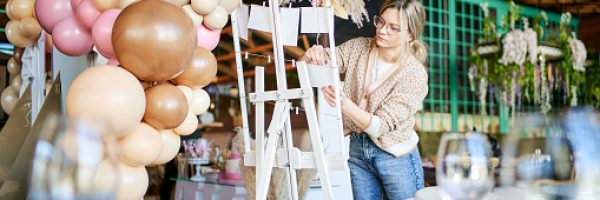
[453, 27]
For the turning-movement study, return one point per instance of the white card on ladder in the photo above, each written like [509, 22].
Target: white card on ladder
[243, 13]
[260, 18]
[289, 26]
[315, 20]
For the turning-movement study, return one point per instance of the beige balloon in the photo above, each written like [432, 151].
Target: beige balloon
[217, 19]
[170, 147]
[189, 125]
[204, 7]
[21, 9]
[103, 5]
[141, 146]
[16, 83]
[125, 3]
[200, 101]
[179, 2]
[14, 36]
[187, 91]
[130, 182]
[230, 5]
[13, 66]
[8, 10]
[9, 100]
[30, 28]
[109, 94]
[196, 18]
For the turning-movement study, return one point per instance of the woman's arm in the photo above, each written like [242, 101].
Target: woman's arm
[361, 118]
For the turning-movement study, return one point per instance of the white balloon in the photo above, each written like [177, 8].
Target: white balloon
[189, 125]
[200, 101]
[204, 7]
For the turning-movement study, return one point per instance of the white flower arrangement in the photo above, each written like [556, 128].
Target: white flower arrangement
[579, 54]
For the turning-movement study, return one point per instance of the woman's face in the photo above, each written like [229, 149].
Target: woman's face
[389, 33]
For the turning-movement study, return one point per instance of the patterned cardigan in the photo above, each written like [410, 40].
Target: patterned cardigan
[395, 102]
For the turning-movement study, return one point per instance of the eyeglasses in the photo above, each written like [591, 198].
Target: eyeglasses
[380, 23]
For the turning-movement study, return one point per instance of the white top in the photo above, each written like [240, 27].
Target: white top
[381, 68]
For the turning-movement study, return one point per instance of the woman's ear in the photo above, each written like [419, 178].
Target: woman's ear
[411, 37]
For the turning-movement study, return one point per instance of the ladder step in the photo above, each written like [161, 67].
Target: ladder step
[335, 161]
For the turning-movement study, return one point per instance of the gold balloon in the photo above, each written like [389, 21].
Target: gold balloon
[30, 28]
[166, 106]
[16, 83]
[14, 35]
[108, 94]
[124, 3]
[200, 71]
[21, 9]
[179, 2]
[9, 100]
[204, 7]
[18, 53]
[196, 18]
[13, 66]
[154, 39]
[171, 143]
[189, 125]
[230, 5]
[217, 19]
[103, 5]
[141, 146]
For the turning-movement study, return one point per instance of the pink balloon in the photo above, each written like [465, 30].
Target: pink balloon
[87, 13]
[207, 38]
[102, 32]
[71, 38]
[75, 3]
[113, 62]
[50, 12]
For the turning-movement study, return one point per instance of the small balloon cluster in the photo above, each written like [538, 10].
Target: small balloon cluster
[198, 148]
[10, 95]
[209, 16]
[23, 29]
[155, 93]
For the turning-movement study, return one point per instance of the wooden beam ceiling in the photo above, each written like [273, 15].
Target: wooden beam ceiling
[581, 8]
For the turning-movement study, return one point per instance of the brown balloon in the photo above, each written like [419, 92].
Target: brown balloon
[9, 100]
[14, 35]
[18, 54]
[21, 9]
[154, 39]
[166, 106]
[13, 66]
[200, 72]
[30, 28]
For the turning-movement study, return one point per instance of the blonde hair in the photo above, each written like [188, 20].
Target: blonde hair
[414, 11]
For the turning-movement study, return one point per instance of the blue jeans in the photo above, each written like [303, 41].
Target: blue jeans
[377, 174]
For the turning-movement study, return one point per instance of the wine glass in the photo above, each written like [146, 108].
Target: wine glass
[538, 156]
[464, 169]
[67, 158]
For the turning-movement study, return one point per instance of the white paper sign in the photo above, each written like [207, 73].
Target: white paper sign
[260, 18]
[242, 17]
[320, 76]
[315, 20]
[289, 25]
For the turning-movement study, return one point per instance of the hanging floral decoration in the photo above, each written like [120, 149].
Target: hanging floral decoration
[516, 66]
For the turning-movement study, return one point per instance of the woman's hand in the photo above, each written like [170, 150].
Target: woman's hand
[329, 94]
[315, 55]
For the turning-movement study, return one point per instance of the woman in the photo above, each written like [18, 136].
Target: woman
[385, 83]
